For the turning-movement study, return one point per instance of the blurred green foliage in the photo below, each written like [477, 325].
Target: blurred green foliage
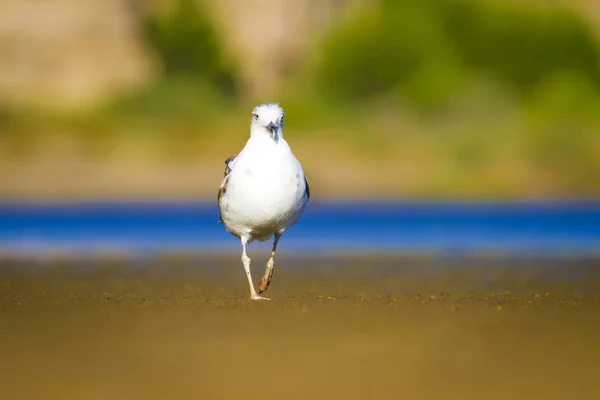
[188, 44]
[198, 81]
[427, 51]
[389, 45]
[522, 44]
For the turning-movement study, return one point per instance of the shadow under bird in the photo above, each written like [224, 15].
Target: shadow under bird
[264, 189]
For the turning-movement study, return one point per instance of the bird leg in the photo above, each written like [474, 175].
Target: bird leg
[266, 279]
[246, 262]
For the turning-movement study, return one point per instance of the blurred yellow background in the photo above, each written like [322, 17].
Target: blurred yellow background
[121, 99]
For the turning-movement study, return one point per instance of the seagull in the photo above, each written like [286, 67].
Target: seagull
[264, 189]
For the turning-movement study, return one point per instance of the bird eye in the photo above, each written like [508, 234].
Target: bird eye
[255, 116]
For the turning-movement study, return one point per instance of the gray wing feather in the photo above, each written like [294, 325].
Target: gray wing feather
[307, 190]
[223, 188]
[229, 164]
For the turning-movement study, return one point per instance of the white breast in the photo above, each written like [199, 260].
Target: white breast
[265, 192]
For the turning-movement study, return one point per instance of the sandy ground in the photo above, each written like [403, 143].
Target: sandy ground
[336, 328]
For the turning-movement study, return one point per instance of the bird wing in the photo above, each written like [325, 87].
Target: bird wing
[226, 175]
[307, 189]
[229, 165]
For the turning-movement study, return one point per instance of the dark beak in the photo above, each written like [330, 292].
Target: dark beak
[272, 128]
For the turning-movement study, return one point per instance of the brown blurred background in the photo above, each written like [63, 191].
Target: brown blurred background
[145, 99]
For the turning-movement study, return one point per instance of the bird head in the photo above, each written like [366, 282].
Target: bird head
[267, 119]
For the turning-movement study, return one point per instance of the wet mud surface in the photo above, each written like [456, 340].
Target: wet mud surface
[387, 327]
